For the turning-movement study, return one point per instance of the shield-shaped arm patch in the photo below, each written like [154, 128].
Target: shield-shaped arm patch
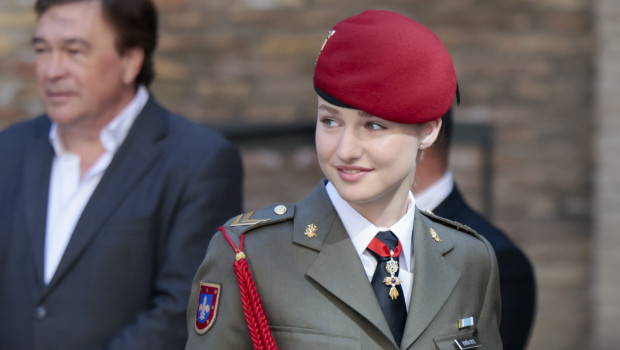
[208, 301]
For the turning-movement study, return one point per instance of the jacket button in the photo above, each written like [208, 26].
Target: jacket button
[41, 312]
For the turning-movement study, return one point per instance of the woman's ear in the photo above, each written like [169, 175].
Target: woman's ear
[430, 131]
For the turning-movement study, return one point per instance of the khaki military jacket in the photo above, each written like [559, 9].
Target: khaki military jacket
[316, 294]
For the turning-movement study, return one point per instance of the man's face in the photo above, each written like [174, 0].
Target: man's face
[81, 76]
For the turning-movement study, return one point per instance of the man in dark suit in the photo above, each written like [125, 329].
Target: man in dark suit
[435, 190]
[108, 201]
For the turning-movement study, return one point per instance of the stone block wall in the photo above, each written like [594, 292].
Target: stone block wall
[606, 197]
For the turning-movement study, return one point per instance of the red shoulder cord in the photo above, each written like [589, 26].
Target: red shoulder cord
[252, 306]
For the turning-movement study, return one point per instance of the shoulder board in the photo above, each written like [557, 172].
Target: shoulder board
[261, 217]
[453, 224]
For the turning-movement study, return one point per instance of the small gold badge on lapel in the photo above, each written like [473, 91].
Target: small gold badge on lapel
[434, 235]
[310, 231]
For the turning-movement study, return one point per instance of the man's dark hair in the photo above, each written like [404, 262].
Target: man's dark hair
[135, 24]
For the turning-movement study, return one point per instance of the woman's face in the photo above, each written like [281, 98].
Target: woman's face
[370, 161]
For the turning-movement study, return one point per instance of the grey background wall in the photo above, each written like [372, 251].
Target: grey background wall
[543, 76]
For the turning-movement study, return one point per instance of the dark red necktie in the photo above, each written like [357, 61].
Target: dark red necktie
[386, 248]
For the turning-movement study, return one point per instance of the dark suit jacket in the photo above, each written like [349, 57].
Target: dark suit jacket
[516, 275]
[316, 294]
[124, 279]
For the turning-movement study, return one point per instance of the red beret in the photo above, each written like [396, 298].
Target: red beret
[387, 65]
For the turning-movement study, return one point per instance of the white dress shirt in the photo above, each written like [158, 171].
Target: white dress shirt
[362, 231]
[68, 195]
[431, 197]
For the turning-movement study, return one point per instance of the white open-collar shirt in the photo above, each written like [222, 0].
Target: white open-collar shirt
[430, 198]
[68, 194]
[361, 231]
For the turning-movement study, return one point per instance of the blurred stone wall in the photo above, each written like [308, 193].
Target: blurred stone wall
[606, 195]
[525, 69]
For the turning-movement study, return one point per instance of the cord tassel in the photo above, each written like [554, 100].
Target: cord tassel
[255, 318]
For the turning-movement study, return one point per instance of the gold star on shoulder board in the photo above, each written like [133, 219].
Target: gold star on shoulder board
[434, 235]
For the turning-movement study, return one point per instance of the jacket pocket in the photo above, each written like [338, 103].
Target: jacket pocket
[304, 338]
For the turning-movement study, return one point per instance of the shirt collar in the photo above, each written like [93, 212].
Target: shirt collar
[55, 140]
[114, 133]
[431, 197]
[361, 231]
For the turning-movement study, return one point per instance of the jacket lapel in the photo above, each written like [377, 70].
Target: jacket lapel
[433, 281]
[35, 184]
[133, 159]
[337, 267]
